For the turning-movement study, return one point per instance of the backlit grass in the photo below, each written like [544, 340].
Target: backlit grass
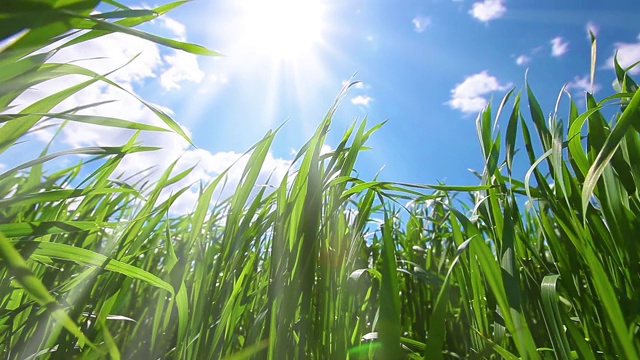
[324, 265]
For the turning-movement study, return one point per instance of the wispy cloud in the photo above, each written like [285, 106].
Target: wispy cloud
[213, 83]
[469, 96]
[361, 100]
[591, 27]
[523, 60]
[559, 47]
[177, 28]
[628, 54]
[356, 85]
[421, 23]
[582, 84]
[488, 10]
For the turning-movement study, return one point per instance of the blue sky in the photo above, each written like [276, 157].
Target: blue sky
[428, 67]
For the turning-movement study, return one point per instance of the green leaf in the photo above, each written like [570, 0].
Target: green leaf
[553, 319]
[41, 228]
[630, 116]
[88, 257]
[34, 287]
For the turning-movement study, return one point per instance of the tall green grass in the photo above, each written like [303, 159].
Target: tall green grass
[324, 265]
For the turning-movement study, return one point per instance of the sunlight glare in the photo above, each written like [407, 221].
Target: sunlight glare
[282, 29]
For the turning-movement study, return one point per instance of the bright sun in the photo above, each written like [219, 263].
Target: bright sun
[281, 29]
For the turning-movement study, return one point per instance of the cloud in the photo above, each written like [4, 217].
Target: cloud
[582, 84]
[523, 60]
[488, 10]
[361, 100]
[148, 66]
[356, 85]
[628, 54]
[208, 165]
[177, 28]
[558, 46]
[421, 23]
[218, 79]
[182, 67]
[468, 96]
[213, 83]
[325, 149]
[591, 27]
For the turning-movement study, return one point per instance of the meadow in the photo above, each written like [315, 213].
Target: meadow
[324, 265]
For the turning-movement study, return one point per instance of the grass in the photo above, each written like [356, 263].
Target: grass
[325, 265]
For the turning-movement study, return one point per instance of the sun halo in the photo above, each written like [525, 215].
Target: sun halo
[281, 29]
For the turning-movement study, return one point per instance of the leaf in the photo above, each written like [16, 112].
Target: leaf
[88, 257]
[553, 319]
[34, 287]
[630, 116]
[41, 228]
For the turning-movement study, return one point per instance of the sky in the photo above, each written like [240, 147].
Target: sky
[426, 67]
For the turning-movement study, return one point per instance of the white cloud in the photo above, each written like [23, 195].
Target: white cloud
[582, 84]
[469, 96]
[628, 54]
[591, 27]
[213, 83]
[361, 100]
[209, 165]
[523, 60]
[488, 10]
[324, 150]
[421, 23]
[111, 51]
[559, 47]
[177, 28]
[118, 49]
[357, 85]
[182, 67]
[218, 79]
[2, 166]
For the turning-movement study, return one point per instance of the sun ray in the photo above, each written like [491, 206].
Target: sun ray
[281, 29]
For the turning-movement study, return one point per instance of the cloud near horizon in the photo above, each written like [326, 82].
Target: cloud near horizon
[150, 65]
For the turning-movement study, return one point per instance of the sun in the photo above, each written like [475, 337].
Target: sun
[281, 29]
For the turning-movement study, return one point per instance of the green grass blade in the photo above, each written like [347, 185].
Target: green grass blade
[553, 319]
[630, 116]
[32, 284]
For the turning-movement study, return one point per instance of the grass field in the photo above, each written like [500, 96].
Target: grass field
[324, 265]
